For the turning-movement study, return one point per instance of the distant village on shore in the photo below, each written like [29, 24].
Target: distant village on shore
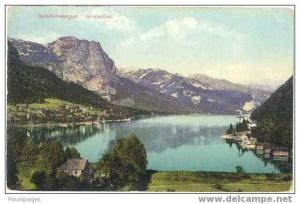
[243, 137]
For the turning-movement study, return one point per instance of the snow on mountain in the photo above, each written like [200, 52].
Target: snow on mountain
[200, 91]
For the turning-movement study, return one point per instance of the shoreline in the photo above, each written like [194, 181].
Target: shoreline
[217, 172]
[134, 118]
[79, 123]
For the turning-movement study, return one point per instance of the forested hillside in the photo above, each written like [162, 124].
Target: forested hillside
[275, 117]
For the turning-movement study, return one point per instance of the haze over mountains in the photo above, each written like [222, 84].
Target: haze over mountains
[87, 64]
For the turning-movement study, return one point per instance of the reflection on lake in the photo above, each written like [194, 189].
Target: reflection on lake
[181, 142]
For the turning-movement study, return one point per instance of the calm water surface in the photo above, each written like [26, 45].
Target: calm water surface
[181, 142]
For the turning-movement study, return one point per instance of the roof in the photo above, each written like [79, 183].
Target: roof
[280, 149]
[74, 164]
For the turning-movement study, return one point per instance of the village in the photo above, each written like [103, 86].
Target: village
[242, 136]
[62, 113]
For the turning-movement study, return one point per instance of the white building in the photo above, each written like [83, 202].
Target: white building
[241, 117]
[251, 125]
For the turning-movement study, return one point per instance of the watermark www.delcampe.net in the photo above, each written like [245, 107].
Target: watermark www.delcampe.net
[245, 199]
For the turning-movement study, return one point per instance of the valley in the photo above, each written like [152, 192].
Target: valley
[69, 94]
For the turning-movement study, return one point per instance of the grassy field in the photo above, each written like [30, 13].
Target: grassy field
[218, 182]
[51, 103]
[54, 104]
[182, 181]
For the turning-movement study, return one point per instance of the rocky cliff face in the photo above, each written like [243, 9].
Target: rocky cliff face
[71, 59]
[85, 63]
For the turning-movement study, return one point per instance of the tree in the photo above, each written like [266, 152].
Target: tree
[111, 169]
[125, 164]
[29, 155]
[53, 153]
[12, 171]
[244, 125]
[39, 179]
[230, 130]
[16, 142]
[71, 153]
[132, 154]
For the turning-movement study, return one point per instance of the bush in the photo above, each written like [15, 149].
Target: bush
[287, 178]
[65, 182]
[240, 170]
[218, 186]
[39, 179]
[71, 153]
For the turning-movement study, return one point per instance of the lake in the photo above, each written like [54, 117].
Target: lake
[177, 142]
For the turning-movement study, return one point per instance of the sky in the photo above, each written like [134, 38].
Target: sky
[241, 44]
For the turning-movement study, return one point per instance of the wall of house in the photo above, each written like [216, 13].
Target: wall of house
[72, 172]
[77, 173]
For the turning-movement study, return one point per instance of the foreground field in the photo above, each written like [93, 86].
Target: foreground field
[177, 181]
[218, 182]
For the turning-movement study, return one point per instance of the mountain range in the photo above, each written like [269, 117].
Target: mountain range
[199, 91]
[85, 63]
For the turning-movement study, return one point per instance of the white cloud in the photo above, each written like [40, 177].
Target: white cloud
[176, 43]
[176, 30]
[181, 27]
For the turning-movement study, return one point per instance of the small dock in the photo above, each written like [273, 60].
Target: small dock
[280, 154]
[269, 151]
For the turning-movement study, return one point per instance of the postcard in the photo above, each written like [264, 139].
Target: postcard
[171, 99]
